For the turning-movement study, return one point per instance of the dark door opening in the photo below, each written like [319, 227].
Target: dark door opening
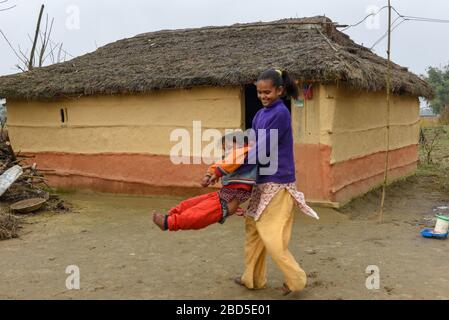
[253, 104]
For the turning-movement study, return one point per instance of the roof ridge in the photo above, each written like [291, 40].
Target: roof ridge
[280, 22]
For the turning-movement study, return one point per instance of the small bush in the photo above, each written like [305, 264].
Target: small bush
[444, 115]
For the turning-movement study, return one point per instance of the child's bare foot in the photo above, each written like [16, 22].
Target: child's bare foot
[159, 220]
[285, 290]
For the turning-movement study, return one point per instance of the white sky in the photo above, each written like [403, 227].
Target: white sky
[416, 45]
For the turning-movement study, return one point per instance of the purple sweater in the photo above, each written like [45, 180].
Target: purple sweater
[277, 117]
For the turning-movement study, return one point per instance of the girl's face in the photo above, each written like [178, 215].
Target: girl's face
[267, 93]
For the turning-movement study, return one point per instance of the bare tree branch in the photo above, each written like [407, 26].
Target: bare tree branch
[9, 8]
[29, 38]
[4, 9]
[66, 52]
[20, 68]
[43, 38]
[59, 53]
[42, 46]
[52, 56]
[52, 49]
[12, 48]
[24, 55]
[46, 41]
[50, 31]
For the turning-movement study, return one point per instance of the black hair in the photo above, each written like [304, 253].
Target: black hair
[284, 80]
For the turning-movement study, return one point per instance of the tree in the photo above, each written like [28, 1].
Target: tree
[438, 78]
[42, 47]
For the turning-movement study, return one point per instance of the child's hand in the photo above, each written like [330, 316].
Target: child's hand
[206, 181]
[213, 179]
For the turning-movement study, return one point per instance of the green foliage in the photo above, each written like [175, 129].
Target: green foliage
[439, 80]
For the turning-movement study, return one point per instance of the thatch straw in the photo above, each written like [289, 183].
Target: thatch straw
[8, 226]
[312, 49]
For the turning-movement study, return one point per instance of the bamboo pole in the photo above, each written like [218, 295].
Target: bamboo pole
[387, 133]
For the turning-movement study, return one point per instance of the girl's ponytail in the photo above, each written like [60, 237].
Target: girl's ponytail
[281, 78]
[290, 86]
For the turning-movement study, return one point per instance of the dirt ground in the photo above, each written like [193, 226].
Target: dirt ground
[122, 255]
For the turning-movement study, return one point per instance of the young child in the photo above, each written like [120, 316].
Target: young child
[204, 210]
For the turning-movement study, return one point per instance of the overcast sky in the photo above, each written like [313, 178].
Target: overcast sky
[415, 44]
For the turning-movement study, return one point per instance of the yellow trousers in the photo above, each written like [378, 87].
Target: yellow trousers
[271, 233]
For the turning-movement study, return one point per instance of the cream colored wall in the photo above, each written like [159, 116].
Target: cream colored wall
[359, 119]
[312, 122]
[133, 124]
[351, 122]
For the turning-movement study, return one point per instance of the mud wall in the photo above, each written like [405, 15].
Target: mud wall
[107, 141]
[340, 140]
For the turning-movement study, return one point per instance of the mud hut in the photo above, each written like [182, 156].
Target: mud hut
[103, 120]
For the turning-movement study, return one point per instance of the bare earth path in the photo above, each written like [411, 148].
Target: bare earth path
[122, 255]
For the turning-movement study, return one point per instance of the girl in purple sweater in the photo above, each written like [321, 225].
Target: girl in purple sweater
[269, 217]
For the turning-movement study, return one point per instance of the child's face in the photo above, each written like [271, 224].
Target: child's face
[267, 93]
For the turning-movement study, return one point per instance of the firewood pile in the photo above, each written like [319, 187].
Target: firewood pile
[31, 184]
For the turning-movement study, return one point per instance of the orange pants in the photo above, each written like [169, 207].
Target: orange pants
[195, 213]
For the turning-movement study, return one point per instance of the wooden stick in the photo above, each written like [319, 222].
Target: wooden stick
[47, 170]
[387, 134]
[33, 49]
[33, 177]
[25, 157]
[326, 38]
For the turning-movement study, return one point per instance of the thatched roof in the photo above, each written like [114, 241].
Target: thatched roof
[312, 49]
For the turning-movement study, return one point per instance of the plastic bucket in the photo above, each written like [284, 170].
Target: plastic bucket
[442, 225]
